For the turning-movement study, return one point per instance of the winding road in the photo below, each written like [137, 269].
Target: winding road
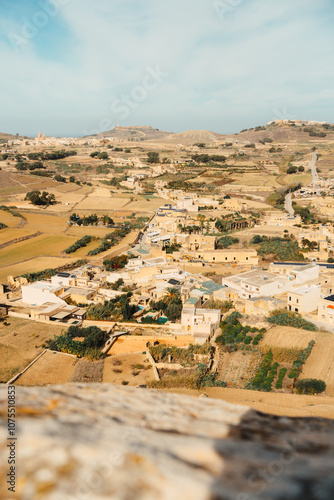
[315, 182]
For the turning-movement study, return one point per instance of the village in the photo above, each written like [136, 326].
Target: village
[191, 270]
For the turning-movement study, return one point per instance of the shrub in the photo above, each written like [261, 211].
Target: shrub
[293, 320]
[281, 375]
[257, 339]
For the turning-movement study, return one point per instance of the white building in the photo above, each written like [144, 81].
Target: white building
[257, 283]
[304, 299]
[201, 323]
[40, 292]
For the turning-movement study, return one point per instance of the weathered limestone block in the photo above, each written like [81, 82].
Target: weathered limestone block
[100, 442]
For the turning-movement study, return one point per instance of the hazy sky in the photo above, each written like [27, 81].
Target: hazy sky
[74, 67]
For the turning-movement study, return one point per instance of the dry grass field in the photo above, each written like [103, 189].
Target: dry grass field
[290, 405]
[9, 234]
[237, 368]
[320, 364]
[20, 343]
[131, 368]
[254, 179]
[134, 343]
[287, 338]
[51, 368]
[33, 265]
[46, 245]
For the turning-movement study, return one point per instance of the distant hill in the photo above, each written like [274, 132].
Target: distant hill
[143, 133]
[287, 131]
[156, 135]
[7, 137]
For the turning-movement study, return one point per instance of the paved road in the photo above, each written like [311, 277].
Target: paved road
[288, 204]
[314, 169]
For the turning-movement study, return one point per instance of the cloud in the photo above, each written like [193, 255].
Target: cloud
[224, 72]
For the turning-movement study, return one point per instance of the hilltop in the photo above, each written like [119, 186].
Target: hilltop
[141, 133]
[193, 137]
[287, 131]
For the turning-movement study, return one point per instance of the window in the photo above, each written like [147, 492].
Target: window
[296, 309]
[289, 298]
[246, 258]
[297, 301]
[214, 258]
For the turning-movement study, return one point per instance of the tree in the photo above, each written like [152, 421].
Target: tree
[291, 170]
[173, 311]
[301, 169]
[153, 157]
[36, 198]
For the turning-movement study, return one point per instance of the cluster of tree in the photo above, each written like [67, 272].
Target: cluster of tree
[252, 145]
[311, 245]
[310, 386]
[99, 155]
[266, 140]
[293, 170]
[111, 239]
[59, 178]
[190, 229]
[171, 248]
[38, 198]
[225, 223]
[117, 262]
[20, 165]
[4, 156]
[153, 157]
[94, 339]
[275, 150]
[91, 220]
[103, 169]
[114, 181]
[51, 155]
[2, 225]
[208, 158]
[83, 242]
[305, 213]
[285, 318]
[43, 173]
[313, 133]
[284, 249]
[171, 304]
[118, 309]
[226, 241]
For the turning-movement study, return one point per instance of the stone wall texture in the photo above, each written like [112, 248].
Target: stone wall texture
[100, 442]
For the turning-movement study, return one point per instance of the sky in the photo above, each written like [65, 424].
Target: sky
[77, 67]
